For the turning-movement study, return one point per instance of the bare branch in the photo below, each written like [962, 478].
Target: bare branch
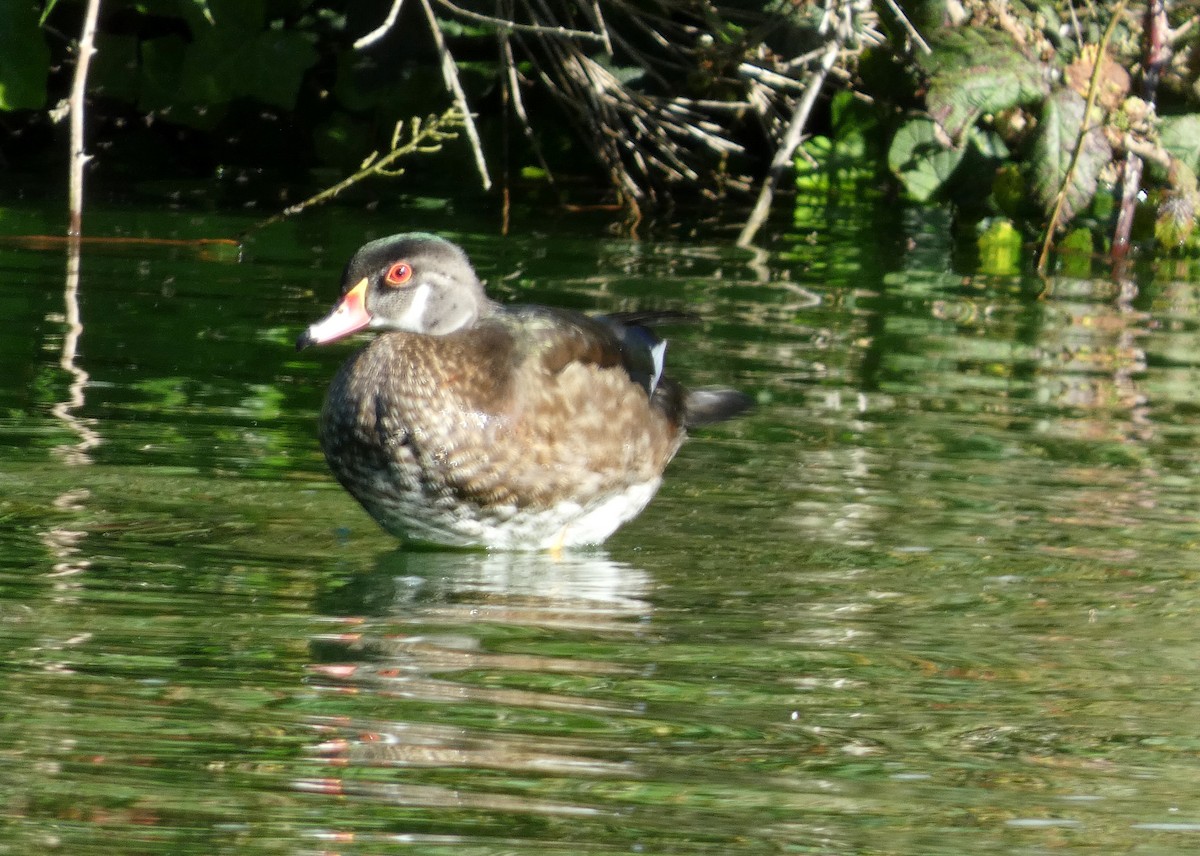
[380, 31]
[908, 27]
[78, 93]
[787, 148]
[450, 76]
[512, 26]
[423, 138]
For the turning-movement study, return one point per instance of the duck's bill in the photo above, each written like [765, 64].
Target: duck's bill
[347, 317]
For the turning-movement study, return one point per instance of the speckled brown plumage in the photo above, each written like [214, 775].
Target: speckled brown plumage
[521, 427]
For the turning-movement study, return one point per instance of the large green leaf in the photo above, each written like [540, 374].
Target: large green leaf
[114, 69]
[977, 71]
[920, 160]
[275, 67]
[24, 58]
[224, 63]
[161, 69]
[1180, 135]
[1050, 160]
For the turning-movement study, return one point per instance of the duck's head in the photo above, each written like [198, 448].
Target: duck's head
[416, 283]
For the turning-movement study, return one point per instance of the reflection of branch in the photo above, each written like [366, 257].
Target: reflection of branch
[78, 453]
[78, 92]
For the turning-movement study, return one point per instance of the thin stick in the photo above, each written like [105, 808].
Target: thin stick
[518, 106]
[512, 26]
[908, 27]
[450, 76]
[598, 20]
[380, 31]
[78, 93]
[791, 141]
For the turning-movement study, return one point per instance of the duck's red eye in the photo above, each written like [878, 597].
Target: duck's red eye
[398, 274]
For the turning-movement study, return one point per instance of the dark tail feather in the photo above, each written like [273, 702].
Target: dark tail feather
[653, 317]
[706, 406]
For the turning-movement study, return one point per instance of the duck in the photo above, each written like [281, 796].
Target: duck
[467, 423]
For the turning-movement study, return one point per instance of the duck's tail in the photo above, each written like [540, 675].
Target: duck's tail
[713, 404]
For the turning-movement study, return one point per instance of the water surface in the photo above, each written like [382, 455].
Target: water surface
[936, 595]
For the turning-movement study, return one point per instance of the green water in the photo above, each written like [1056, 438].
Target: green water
[936, 595]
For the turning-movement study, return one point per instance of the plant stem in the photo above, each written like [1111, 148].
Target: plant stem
[1084, 129]
[1157, 54]
[450, 76]
[426, 137]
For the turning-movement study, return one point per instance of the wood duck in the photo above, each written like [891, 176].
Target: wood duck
[468, 423]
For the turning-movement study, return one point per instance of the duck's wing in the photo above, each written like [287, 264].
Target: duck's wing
[556, 338]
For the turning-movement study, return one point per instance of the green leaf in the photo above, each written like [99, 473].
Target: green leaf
[1175, 221]
[976, 71]
[1050, 159]
[1075, 252]
[114, 69]
[920, 160]
[24, 58]
[1180, 135]
[822, 165]
[851, 116]
[221, 64]
[989, 144]
[1000, 249]
[1008, 189]
[162, 68]
[276, 67]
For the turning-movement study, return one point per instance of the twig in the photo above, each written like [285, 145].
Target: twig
[1084, 130]
[450, 76]
[598, 19]
[78, 93]
[772, 79]
[512, 26]
[789, 144]
[424, 138]
[518, 105]
[380, 31]
[908, 27]
[1180, 32]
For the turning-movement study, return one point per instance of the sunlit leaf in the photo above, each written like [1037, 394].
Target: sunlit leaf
[1180, 135]
[977, 71]
[1075, 252]
[1000, 249]
[1175, 221]
[920, 160]
[1053, 149]
[988, 143]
